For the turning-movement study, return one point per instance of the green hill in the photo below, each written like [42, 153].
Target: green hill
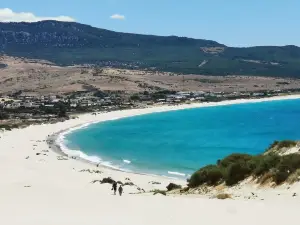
[68, 43]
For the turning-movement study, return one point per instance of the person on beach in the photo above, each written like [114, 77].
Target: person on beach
[120, 190]
[114, 187]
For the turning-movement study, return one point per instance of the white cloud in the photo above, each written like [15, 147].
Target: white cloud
[117, 17]
[7, 15]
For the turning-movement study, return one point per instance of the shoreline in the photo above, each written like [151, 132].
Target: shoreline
[55, 147]
[56, 139]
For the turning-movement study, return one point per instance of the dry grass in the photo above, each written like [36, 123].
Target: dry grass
[162, 192]
[44, 77]
[220, 187]
[295, 177]
[223, 196]
[266, 179]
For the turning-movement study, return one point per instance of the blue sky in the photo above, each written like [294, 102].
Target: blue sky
[231, 22]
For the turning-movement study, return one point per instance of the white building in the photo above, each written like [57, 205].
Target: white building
[15, 105]
[27, 104]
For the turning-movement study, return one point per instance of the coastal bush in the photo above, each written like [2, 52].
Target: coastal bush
[235, 158]
[173, 186]
[295, 177]
[107, 180]
[273, 145]
[279, 167]
[290, 162]
[8, 126]
[253, 162]
[282, 144]
[237, 172]
[210, 175]
[280, 176]
[286, 144]
[100, 94]
[185, 189]
[95, 181]
[5, 127]
[129, 184]
[4, 116]
[237, 167]
[135, 97]
[62, 109]
[265, 163]
[162, 192]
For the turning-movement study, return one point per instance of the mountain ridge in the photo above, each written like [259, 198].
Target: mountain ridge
[68, 43]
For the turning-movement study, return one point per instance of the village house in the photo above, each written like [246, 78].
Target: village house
[27, 104]
[15, 105]
[73, 105]
[258, 94]
[199, 98]
[85, 103]
[49, 105]
[199, 93]
[24, 116]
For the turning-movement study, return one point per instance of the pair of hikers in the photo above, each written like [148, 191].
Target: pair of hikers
[114, 188]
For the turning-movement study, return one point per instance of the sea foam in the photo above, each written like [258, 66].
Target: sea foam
[176, 173]
[126, 161]
[62, 143]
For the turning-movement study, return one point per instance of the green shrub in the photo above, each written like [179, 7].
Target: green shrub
[173, 186]
[236, 172]
[295, 177]
[4, 116]
[265, 163]
[162, 192]
[9, 126]
[253, 162]
[286, 144]
[5, 127]
[135, 97]
[235, 158]
[273, 145]
[210, 175]
[289, 163]
[185, 189]
[282, 144]
[236, 167]
[107, 180]
[280, 177]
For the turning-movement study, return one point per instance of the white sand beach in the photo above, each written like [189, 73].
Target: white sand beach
[39, 187]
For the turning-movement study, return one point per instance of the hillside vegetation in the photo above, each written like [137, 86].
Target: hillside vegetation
[273, 166]
[67, 43]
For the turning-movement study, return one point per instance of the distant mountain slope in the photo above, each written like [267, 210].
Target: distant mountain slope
[69, 43]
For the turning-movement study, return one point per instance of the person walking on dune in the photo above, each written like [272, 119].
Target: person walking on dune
[120, 190]
[114, 187]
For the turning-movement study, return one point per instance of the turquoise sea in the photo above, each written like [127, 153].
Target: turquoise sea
[177, 143]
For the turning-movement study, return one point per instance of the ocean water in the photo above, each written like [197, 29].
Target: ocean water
[177, 143]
